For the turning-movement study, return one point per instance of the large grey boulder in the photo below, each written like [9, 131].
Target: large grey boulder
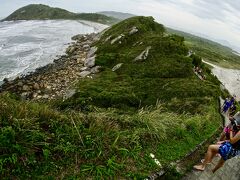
[143, 55]
[90, 62]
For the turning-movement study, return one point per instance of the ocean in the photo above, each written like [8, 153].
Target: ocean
[27, 45]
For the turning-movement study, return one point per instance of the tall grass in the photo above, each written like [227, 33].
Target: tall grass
[38, 141]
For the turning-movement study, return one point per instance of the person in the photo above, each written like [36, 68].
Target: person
[225, 105]
[225, 135]
[232, 109]
[227, 149]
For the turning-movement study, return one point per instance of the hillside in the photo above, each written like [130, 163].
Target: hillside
[210, 51]
[146, 99]
[42, 12]
[117, 15]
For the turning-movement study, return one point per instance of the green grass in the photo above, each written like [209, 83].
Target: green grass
[38, 141]
[115, 120]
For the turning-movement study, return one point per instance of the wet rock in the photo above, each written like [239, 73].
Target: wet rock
[90, 62]
[117, 67]
[5, 80]
[70, 50]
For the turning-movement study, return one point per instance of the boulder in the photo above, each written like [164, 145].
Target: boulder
[86, 46]
[143, 55]
[84, 73]
[133, 30]
[95, 69]
[70, 50]
[20, 83]
[92, 52]
[90, 62]
[117, 67]
[108, 38]
[117, 38]
[36, 86]
[25, 88]
[24, 95]
[45, 96]
[83, 68]
[6, 80]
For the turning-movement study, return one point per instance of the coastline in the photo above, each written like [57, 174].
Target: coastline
[55, 80]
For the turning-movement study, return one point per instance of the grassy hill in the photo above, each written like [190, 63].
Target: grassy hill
[40, 12]
[114, 121]
[210, 51]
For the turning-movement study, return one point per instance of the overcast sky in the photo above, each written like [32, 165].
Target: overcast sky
[217, 19]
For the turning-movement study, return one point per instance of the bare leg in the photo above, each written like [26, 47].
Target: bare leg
[211, 152]
[219, 164]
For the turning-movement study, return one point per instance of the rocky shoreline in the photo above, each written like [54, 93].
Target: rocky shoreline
[56, 79]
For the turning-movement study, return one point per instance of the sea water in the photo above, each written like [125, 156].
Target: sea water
[27, 45]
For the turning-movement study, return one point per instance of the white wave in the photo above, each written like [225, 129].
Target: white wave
[31, 44]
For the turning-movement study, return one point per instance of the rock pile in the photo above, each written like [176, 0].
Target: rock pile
[53, 81]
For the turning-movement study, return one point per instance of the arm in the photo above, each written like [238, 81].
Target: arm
[234, 139]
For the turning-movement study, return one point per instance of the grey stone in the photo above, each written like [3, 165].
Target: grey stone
[92, 52]
[25, 88]
[36, 86]
[90, 62]
[45, 96]
[86, 46]
[133, 30]
[84, 73]
[70, 50]
[84, 68]
[24, 95]
[108, 38]
[95, 69]
[20, 83]
[117, 38]
[117, 67]
[143, 55]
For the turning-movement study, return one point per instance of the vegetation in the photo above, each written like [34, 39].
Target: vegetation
[115, 120]
[42, 12]
[210, 51]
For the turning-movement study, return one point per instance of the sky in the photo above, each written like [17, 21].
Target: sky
[218, 20]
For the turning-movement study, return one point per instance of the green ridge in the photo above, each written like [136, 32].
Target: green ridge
[42, 12]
